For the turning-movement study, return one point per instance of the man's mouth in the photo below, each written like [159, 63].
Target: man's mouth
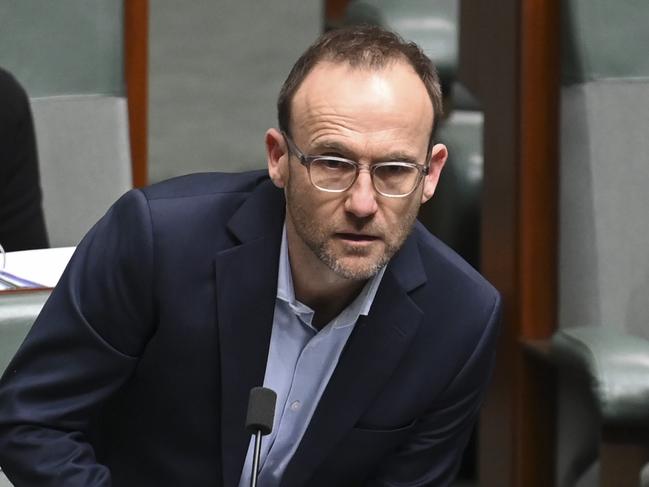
[357, 237]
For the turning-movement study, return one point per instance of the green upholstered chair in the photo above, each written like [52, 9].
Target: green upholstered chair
[18, 310]
[433, 24]
[453, 214]
[69, 56]
[602, 344]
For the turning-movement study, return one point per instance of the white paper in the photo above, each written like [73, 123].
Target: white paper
[43, 266]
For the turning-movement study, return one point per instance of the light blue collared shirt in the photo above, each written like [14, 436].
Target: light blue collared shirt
[300, 362]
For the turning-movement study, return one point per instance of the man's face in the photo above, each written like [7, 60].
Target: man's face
[368, 116]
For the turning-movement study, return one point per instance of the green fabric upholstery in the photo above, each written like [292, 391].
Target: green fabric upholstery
[616, 366]
[4, 482]
[18, 310]
[644, 476]
[431, 24]
[604, 232]
[85, 161]
[601, 39]
[453, 214]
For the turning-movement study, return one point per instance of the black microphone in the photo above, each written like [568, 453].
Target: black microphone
[259, 421]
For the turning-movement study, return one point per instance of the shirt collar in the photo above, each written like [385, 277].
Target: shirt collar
[285, 291]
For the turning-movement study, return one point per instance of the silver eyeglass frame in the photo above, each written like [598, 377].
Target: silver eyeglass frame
[306, 161]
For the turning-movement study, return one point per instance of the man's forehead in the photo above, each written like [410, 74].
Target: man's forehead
[345, 79]
[343, 89]
[344, 68]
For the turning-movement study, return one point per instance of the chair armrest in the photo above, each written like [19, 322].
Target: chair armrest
[616, 366]
[644, 476]
[18, 310]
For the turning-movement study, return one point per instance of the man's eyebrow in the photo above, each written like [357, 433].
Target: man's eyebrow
[333, 146]
[399, 157]
[330, 146]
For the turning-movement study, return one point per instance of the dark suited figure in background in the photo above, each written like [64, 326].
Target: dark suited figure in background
[22, 225]
[312, 278]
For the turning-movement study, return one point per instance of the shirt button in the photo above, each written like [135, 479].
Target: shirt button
[295, 405]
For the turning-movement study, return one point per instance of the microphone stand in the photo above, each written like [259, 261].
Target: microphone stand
[255, 459]
[259, 422]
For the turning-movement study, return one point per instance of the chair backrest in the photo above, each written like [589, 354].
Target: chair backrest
[604, 165]
[604, 175]
[69, 56]
[431, 24]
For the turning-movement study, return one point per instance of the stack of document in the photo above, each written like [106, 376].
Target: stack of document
[40, 268]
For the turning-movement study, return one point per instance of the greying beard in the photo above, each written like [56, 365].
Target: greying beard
[342, 271]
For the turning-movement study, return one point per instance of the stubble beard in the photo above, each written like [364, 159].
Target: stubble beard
[317, 239]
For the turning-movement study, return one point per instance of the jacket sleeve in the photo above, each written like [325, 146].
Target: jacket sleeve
[432, 454]
[81, 349]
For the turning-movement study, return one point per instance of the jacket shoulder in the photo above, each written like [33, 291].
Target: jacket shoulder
[201, 184]
[459, 277]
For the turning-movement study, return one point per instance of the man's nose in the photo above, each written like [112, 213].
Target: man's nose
[361, 197]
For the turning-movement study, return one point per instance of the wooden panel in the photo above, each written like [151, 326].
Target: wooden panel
[539, 131]
[488, 66]
[335, 9]
[334, 12]
[136, 31]
[538, 231]
[624, 451]
[509, 59]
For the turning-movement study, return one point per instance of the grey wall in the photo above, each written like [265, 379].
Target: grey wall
[215, 70]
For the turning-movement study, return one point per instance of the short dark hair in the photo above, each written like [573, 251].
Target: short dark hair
[363, 46]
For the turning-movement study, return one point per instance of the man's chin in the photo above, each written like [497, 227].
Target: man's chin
[356, 268]
[356, 263]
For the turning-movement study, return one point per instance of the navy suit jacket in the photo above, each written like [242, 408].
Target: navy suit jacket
[138, 369]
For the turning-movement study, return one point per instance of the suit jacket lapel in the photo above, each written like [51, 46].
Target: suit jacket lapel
[371, 354]
[246, 287]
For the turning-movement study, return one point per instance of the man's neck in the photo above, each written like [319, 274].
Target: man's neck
[317, 286]
[326, 298]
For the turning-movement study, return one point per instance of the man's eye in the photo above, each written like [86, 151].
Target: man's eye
[334, 164]
[394, 170]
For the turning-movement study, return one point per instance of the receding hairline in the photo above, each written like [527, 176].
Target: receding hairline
[386, 63]
[375, 66]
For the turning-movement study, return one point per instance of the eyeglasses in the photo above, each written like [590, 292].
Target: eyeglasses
[336, 174]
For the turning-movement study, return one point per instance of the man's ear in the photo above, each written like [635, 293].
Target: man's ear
[277, 157]
[438, 158]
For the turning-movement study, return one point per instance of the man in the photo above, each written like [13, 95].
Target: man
[318, 284]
